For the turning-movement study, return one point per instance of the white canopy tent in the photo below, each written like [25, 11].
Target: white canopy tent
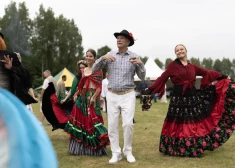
[152, 70]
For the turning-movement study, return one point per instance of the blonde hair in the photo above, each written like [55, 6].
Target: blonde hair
[82, 62]
[2, 44]
[182, 46]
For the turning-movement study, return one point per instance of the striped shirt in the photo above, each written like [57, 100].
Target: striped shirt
[122, 71]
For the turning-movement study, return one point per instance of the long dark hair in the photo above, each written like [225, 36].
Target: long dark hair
[83, 62]
[92, 51]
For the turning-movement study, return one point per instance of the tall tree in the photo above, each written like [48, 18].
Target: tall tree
[46, 42]
[43, 40]
[159, 63]
[226, 66]
[100, 52]
[207, 63]
[144, 59]
[168, 60]
[16, 26]
[195, 61]
[68, 44]
[8, 24]
[217, 65]
[233, 70]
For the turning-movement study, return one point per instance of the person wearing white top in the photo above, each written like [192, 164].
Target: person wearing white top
[104, 91]
[48, 78]
[164, 99]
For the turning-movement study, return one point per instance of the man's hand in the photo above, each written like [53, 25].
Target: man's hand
[7, 62]
[146, 91]
[109, 57]
[134, 60]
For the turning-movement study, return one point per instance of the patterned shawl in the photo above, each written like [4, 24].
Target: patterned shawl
[95, 78]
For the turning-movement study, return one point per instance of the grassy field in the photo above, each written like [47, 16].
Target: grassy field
[145, 146]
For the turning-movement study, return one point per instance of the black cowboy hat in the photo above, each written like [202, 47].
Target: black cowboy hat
[2, 35]
[126, 34]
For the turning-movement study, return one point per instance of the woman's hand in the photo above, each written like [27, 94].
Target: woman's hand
[92, 100]
[229, 77]
[7, 62]
[75, 98]
[35, 99]
[62, 101]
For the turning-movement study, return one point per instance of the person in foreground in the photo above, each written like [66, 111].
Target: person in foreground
[88, 136]
[121, 67]
[13, 76]
[11, 70]
[23, 142]
[197, 120]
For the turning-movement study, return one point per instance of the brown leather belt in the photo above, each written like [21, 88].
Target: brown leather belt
[122, 92]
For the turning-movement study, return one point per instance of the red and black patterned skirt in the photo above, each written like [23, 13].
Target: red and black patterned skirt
[199, 120]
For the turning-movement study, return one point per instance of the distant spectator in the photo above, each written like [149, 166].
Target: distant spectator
[148, 81]
[61, 89]
[141, 87]
[104, 91]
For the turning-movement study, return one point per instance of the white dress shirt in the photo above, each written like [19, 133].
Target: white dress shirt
[104, 90]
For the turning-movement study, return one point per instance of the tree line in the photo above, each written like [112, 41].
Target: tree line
[45, 42]
[225, 66]
[50, 42]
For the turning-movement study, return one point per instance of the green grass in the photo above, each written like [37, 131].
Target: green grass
[145, 146]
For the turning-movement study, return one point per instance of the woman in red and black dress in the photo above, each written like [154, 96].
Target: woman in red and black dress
[197, 120]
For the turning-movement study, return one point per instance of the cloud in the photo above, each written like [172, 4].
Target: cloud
[205, 27]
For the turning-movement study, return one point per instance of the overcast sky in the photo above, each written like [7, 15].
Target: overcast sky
[205, 27]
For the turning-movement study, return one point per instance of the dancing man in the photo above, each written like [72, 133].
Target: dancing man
[121, 67]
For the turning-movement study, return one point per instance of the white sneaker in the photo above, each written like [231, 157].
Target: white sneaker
[115, 159]
[130, 158]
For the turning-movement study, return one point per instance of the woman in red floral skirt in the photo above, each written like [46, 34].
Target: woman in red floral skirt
[197, 120]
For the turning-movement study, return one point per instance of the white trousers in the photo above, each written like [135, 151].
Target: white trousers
[124, 105]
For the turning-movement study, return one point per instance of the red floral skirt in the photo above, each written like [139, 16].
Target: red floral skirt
[88, 135]
[199, 120]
